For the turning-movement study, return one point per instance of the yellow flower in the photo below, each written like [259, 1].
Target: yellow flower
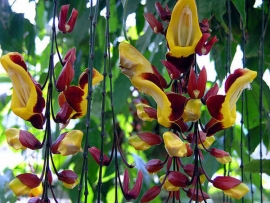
[174, 145]
[167, 185]
[138, 143]
[183, 32]
[237, 192]
[27, 101]
[223, 108]
[71, 185]
[35, 192]
[192, 111]
[68, 143]
[13, 138]
[146, 112]
[207, 142]
[19, 188]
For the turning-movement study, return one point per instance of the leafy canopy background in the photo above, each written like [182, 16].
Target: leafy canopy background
[18, 34]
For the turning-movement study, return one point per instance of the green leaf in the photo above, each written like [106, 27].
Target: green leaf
[240, 6]
[219, 9]
[129, 7]
[254, 166]
[204, 9]
[121, 92]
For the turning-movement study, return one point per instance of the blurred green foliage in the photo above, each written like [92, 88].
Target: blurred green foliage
[18, 34]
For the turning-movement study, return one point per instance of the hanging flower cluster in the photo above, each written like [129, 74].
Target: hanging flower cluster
[179, 108]
[28, 103]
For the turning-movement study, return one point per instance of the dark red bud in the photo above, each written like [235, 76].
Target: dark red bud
[172, 70]
[218, 153]
[72, 20]
[150, 138]
[49, 174]
[203, 47]
[164, 14]
[151, 194]
[156, 26]
[178, 179]
[70, 55]
[135, 191]
[55, 145]
[225, 182]
[65, 77]
[154, 165]
[196, 86]
[212, 92]
[64, 25]
[29, 179]
[28, 140]
[162, 81]
[189, 150]
[64, 113]
[67, 176]
[63, 18]
[95, 152]
[204, 25]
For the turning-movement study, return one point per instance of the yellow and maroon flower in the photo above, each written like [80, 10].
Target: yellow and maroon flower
[167, 185]
[174, 145]
[146, 79]
[146, 112]
[72, 102]
[23, 184]
[223, 108]
[69, 178]
[143, 141]
[21, 139]
[183, 32]
[68, 143]
[27, 101]
[220, 155]
[65, 25]
[231, 186]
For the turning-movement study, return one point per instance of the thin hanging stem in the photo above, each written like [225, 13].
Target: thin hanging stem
[102, 134]
[84, 176]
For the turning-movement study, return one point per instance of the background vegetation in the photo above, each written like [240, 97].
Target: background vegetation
[18, 34]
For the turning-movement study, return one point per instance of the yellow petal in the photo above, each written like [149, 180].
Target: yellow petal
[132, 62]
[224, 160]
[192, 111]
[138, 143]
[183, 32]
[142, 114]
[13, 140]
[71, 144]
[25, 96]
[72, 185]
[174, 145]
[238, 191]
[163, 104]
[18, 187]
[207, 142]
[35, 192]
[167, 185]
